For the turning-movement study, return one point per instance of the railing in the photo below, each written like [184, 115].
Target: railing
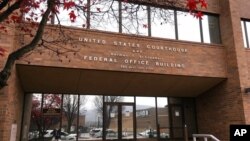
[205, 137]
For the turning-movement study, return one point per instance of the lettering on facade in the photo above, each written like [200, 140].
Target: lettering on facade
[100, 59]
[135, 58]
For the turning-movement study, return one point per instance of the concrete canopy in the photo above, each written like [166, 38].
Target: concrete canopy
[42, 79]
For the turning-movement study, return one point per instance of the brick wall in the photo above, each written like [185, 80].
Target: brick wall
[10, 108]
[193, 59]
[12, 95]
[226, 103]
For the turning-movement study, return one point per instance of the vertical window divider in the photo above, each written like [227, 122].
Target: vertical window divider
[156, 117]
[149, 20]
[61, 114]
[77, 122]
[246, 34]
[134, 118]
[43, 126]
[103, 118]
[176, 25]
[201, 30]
[88, 14]
[120, 16]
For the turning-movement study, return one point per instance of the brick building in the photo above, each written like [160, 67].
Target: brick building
[205, 78]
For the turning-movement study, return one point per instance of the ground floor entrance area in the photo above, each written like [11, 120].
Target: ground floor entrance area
[101, 117]
[82, 105]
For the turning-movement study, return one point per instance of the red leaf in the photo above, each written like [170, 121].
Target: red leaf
[191, 4]
[68, 5]
[198, 15]
[72, 16]
[203, 4]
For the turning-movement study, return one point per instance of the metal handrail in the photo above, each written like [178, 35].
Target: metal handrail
[205, 136]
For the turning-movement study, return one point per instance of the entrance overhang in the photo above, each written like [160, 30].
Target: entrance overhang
[41, 79]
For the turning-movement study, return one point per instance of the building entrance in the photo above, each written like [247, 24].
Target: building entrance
[119, 121]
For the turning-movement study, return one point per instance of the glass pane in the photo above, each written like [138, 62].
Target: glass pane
[114, 98]
[188, 27]
[162, 23]
[146, 117]
[81, 14]
[248, 30]
[104, 15]
[211, 31]
[69, 117]
[34, 107]
[127, 122]
[163, 117]
[111, 122]
[51, 114]
[205, 27]
[243, 33]
[93, 112]
[134, 19]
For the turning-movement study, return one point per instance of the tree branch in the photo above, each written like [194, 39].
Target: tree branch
[3, 4]
[5, 73]
[9, 11]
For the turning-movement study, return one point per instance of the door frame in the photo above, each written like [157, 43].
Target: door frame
[171, 106]
[119, 104]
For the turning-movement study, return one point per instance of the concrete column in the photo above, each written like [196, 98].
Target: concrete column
[26, 117]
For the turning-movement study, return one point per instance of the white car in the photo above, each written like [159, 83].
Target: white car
[67, 136]
[153, 133]
[64, 135]
[148, 133]
[48, 134]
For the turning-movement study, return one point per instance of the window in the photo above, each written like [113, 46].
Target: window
[103, 15]
[132, 18]
[162, 23]
[246, 32]
[64, 19]
[188, 27]
[146, 117]
[210, 29]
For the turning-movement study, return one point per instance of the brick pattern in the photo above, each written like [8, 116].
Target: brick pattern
[193, 59]
[228, 98]
[10, 108]
[217, 108]
[12, 95]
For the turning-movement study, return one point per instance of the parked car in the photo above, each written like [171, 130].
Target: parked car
[98, 132]
[148, 133]
[64, 135]
[92, 132]
[153, 134]
[68, 136]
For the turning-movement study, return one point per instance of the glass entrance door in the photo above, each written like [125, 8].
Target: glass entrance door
[119, 121]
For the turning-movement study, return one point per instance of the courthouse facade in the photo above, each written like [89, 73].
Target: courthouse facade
[197, 72]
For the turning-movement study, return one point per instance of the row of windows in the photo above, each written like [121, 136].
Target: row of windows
[129, 18]
[117, 16]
